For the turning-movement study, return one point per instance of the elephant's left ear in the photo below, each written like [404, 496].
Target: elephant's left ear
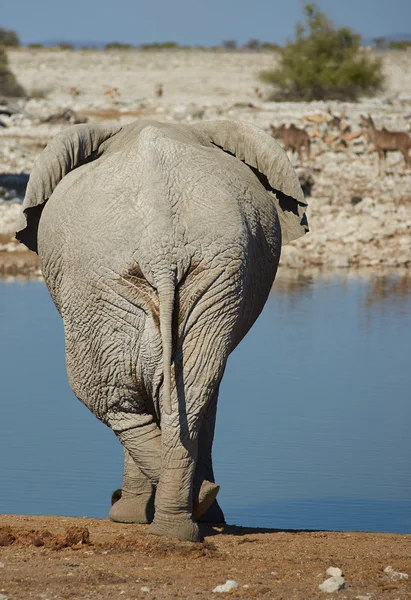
[68, 150]
[263, 154]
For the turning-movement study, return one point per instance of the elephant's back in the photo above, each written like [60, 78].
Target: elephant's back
[158, 194]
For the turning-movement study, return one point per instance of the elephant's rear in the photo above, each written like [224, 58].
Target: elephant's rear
[183, 256]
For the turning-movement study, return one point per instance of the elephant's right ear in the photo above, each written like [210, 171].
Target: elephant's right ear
[68, 150]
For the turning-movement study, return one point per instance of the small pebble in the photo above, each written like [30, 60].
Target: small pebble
[1, 565]
[229, 585]
[145, 589]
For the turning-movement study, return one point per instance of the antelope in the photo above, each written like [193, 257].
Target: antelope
[354, 135]
[317, 119]
[293, 138]
[387, 141]
[112, 93]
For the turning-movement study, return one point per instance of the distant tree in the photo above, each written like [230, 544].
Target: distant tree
[270, 46]
[229, 45]
[64, 46]
[168, 45]
[118, 46]
[324, 63]
[9, 86]
[379, 42]
[8, 38]
[35, 46]
[162, 46]
[399, 45]
[252, 44]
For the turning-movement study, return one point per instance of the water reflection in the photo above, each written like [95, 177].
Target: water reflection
[313, 421]
[391, 290]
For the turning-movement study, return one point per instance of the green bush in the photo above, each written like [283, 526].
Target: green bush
[252, 44]
[35, 46]
[229, 45]
[324, 63]
[270, 46]
[399, 45]
[9, 86]
[161, 46]
[64, 46]
[118, 46]
[8, 38]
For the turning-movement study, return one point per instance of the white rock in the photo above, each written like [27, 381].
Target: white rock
[341, 261]
[145, 589]
[334, 572]
[365, 236]
[2, 565]
[229, 585]
[332, 584]
[395, 574]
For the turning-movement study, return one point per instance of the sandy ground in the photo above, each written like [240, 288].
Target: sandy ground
[373, 230]
[58, 557]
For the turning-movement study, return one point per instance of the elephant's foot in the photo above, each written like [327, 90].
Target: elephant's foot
[213, 515]
[185, 530]
[133, 509]
[206, 496]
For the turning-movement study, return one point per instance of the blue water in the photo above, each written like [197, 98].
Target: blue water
[313, 425]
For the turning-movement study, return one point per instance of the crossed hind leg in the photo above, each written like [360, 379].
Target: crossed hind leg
[134, 503]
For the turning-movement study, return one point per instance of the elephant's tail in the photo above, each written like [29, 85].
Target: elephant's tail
[166, 295]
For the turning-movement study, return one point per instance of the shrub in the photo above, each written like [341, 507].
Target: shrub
[380, 43]
[8, 38]
[38, 93]
[324, 63]
[118, 46]
[270, 46]
[161, 46]
[36, 46]
[399, 45]
[9, 86]
[252, 44]
[63, 46]
[229, 45]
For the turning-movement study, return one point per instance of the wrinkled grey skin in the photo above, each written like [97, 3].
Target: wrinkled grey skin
[159, 244]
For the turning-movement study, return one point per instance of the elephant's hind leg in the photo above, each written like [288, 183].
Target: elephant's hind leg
[136, 504]
[204, 467]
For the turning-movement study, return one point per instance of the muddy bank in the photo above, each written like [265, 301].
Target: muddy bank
[59, 557]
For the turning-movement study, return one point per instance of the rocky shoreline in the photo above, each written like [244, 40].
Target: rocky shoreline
[356, 218]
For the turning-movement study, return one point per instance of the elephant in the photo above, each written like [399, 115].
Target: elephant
[159, 244]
